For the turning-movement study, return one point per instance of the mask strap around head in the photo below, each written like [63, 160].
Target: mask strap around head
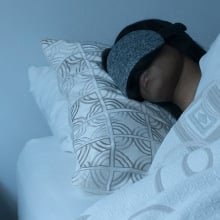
[173, 29]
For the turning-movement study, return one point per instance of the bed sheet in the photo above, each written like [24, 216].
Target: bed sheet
[45, 191]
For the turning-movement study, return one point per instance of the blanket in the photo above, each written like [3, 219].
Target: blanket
[184, 179]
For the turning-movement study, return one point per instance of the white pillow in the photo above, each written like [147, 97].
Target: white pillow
[54, 106]
[115, 139]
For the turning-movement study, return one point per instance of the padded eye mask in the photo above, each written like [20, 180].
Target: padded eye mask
[126, 53]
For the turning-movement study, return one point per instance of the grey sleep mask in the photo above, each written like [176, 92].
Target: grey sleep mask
[128, 51]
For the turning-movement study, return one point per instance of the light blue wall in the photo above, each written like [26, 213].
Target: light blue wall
[24, 23]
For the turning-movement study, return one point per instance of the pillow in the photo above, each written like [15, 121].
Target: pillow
[54, 106]
[115, 139]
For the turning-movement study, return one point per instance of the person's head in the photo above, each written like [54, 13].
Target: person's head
[146, 58]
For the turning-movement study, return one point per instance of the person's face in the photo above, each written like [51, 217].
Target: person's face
[158, 82]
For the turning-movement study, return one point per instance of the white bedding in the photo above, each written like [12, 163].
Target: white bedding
[45, 191]
[183, 181]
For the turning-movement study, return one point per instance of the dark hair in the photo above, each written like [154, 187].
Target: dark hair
[182, 42]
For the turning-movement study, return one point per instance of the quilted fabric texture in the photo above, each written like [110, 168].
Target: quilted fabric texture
[115, 139]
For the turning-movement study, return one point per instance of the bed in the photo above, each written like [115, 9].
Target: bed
[113, 158]
[99, 144]
[44, 183]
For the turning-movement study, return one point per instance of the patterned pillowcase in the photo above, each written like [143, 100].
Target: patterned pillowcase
[115, 139]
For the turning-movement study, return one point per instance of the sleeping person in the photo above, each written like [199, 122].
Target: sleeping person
[157, 61]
